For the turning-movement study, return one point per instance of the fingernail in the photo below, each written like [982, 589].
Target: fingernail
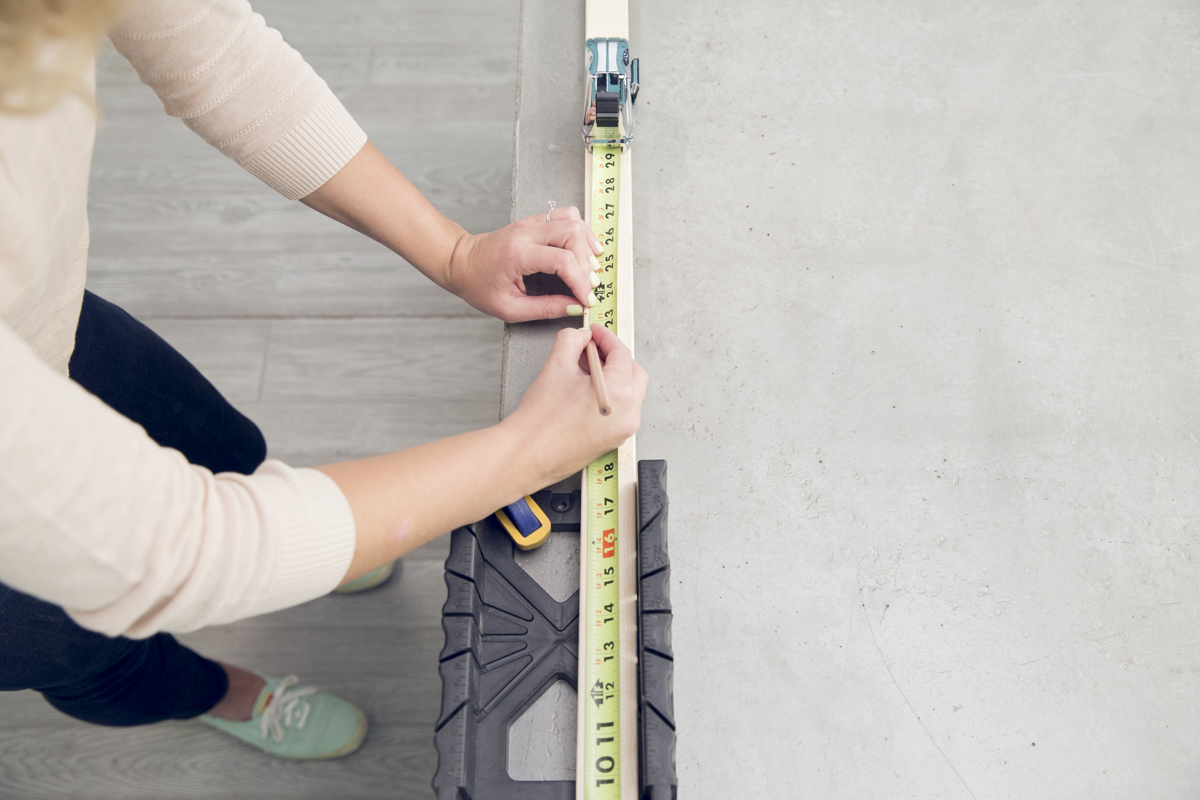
[596, 246]
[595, 264]
[574, 310]
[592, 301]
[594, 278]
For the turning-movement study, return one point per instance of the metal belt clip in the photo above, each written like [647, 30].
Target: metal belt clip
[611, 89]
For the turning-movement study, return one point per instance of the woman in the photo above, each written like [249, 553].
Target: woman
[134, 501]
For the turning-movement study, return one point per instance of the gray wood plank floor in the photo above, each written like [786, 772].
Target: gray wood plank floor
[334, 346]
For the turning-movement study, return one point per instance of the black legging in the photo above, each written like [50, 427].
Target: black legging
[85, 674]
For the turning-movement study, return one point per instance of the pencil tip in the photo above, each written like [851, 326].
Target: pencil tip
[605, 411]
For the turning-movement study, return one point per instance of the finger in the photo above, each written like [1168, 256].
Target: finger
[597, 248]
[572, 235]
[617, 358]
[569, 345]
[550, 230]
[570, 212]
[551, 306]
[535, 221]
[555, 261]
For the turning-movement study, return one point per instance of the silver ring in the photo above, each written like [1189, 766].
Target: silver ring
[552, 205]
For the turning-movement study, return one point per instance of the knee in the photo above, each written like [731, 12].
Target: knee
[251, 450]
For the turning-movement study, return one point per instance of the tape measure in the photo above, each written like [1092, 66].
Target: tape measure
[601, 681]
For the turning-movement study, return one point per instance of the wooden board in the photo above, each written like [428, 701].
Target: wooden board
[610, 18]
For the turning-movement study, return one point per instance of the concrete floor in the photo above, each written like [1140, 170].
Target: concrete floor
[917, 290]
[918, 285]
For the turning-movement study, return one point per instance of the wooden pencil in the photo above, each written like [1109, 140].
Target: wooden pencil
[598, 378]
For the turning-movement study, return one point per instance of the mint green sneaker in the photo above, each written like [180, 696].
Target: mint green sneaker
[298, 722]
[372, 579]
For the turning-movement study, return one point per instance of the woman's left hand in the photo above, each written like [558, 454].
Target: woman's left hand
[488, 269]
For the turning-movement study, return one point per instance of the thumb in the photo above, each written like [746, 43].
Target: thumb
[616, 355]
[568, 347]
[524, 308]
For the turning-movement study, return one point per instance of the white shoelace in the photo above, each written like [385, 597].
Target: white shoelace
[284, 707]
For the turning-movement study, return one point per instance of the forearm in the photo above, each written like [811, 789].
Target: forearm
[402, 500]
[373, 197]
[487, 270]
[129, 537]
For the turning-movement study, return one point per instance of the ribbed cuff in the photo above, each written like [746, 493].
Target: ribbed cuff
[312, 152]
[315, 536]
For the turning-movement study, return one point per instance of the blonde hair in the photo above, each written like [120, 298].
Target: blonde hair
[45, 48]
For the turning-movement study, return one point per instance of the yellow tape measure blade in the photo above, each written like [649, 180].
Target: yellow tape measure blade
[602, 663]
[601, 679]
[605, 191]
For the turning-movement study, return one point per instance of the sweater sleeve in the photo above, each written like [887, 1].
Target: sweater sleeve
[129, 537]
[216, 65]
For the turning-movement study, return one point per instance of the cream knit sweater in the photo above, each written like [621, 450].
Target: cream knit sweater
[94, 516]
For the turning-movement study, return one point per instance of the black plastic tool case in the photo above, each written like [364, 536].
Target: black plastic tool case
[507, 641]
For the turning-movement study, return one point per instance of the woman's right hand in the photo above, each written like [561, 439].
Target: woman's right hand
[404, 499]
[559, 416]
